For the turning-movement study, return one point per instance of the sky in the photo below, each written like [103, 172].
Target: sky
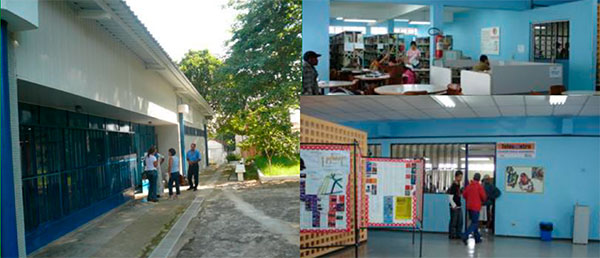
[180, 25]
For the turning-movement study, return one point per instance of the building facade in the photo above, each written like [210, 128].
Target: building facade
[86, 90]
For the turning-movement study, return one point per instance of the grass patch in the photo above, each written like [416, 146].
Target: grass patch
[281, 166]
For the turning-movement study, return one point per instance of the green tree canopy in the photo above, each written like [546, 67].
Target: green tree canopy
[200, 67]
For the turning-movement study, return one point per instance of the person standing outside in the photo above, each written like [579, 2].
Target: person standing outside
[474, 195]
[456, 221]
[310, 86]
[193, 158]
[160, 187]
[173, 170]
[150, 169]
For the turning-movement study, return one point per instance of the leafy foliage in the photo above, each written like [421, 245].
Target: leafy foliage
[200, 67]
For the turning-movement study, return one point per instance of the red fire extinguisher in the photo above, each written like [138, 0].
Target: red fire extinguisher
[439, 49]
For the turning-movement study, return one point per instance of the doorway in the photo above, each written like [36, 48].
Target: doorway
[481, 158]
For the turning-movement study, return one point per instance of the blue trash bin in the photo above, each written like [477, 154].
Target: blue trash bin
[546, 231]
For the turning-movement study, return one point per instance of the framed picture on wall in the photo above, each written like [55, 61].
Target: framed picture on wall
[524, 179]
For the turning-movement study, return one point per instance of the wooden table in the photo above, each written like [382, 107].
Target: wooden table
[581, 93]
[400, 89]
[371, 83]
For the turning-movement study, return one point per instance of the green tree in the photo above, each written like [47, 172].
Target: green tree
[200, 67]
[260, 79]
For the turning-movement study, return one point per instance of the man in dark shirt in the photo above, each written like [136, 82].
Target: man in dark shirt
[455, 207]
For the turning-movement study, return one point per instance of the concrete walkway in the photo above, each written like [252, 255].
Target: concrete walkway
[242, 219]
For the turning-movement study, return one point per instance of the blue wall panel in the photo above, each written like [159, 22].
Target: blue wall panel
[315, 32]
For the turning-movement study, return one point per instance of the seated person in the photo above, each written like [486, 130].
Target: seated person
[483, 65]
[408, 75]
[377, 64]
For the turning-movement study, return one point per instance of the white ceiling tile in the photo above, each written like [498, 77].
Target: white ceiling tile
[539, 110]
[437, 113]
[487, 112]
[478, 101]
[590, 110]
[461, 112]
[576, 100]
[512, 111]
[422, 102]
[566, 110]
[509, 100]
[536, 100]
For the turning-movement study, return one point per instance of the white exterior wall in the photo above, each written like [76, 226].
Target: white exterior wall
[195, 119]
[168, 137]
[78, 56]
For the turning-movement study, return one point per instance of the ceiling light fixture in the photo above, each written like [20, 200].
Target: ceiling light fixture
[477, 159]
[402, 20]
[556, 100]
[339, 18]
[419, 23]
[360, 20]
[445, 101]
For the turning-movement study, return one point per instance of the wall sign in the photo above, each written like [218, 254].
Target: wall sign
[490, 41]
[555, 71]
[524, 179]
[325, 188]
[515, 150]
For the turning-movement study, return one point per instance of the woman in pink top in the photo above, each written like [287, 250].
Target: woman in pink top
[413, 54]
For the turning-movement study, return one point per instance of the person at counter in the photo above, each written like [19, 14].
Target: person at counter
[413, 54]
[310, 86]
[483, 65]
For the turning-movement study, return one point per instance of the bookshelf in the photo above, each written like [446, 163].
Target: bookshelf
[345, 47]
[392, 43]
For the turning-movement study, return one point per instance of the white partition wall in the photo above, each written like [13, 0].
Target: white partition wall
[524, 77]
[475, 83]
[440, 76]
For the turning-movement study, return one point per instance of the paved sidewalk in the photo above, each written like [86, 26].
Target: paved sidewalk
[227, 219]
[246, 220]
[131, 230]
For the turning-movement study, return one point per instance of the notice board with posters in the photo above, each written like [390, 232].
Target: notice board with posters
[490, 41]
[394, 192]
[325, 188]
[525, 179]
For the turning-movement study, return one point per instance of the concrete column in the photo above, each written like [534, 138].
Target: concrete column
[315, 32]
[390, 25]
[13, 223]
[182, 143]
[205, 142]
[436, 17]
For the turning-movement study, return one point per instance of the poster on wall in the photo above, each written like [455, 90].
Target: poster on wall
[392, 192]
[522, 150]
[325, 188]
[524, 179]
[490, 41]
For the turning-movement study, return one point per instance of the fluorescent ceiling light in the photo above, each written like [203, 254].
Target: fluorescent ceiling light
[402, 20]
[360, 20]
[419, 22]
[556, 100]
[445, 101]
[339, 18]
[477, 159]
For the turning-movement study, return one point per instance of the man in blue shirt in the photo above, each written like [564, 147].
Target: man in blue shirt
[193, 158]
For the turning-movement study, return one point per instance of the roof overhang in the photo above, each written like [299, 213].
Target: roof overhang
[118, 20]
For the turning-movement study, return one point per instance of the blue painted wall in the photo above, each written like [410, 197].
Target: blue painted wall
[315, 32]
[567, 147]
[8, 235]
[515, 30]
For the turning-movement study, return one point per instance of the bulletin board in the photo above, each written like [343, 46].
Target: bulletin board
[314, 130]
[394, 191]
[490, 41]
[325, 188]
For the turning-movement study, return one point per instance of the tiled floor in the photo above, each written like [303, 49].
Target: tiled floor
[399, 244]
